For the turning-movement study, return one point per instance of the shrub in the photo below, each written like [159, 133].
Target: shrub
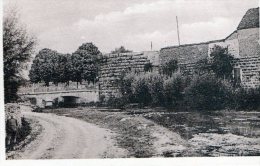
[145, 89]
[169, 67]
[115, 102]
[247, 99]
[125, 87]
[221, 62]
[155, 86]
[141, 91]
[148, 67]
[208, 93]
[174, 90]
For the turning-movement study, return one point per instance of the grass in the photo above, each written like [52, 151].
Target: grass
[130, 136]
[218, 133]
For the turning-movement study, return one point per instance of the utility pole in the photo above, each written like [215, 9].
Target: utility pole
[151, 46]
[178, 30]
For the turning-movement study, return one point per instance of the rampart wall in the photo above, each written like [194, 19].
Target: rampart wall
[185, 53]
[243, 44]
[250, 71]
[112, 67]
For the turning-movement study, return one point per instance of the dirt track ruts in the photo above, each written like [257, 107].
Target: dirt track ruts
[67, 138]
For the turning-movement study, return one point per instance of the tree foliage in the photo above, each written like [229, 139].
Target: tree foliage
[45, 67]
[51, 66]
[18, 45]
[208, 92]
[221, 63]
[121, 49]
[90, 56]
[148, 67]
[170, 67]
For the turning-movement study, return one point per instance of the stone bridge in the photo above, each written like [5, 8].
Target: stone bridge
[50, 98]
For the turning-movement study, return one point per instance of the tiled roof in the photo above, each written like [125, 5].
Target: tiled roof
[250, 19]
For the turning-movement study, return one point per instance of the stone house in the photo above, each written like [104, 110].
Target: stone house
[243, 44]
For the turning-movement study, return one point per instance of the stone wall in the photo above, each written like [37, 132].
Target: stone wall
[184, 53]
[250, 71]
[113, 65]
[231, 43]
[249, 42]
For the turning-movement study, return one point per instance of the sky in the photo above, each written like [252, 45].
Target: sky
[63, 25]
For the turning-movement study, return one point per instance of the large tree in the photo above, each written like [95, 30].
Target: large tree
[89, 56]
[18, 45]
[75, 68]
[46, 67]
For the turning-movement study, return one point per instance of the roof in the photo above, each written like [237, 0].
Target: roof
[250, 19]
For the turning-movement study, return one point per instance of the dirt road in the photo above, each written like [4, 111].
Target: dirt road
[66, 138]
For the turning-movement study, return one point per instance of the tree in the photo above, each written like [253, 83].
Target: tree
[148, 67]
[64, 68]
[221, 63]
[75, 68]
[170, 67]
[89, 55]
[60, 68]
[121, 49]
[45, 67]
[18, 45]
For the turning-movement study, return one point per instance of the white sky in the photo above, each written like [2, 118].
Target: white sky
[63, 25]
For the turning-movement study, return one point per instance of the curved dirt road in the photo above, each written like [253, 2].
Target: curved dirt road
[66, 138]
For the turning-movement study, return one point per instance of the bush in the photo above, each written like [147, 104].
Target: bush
[155, 86]
[145, 89]
[169, 67]
[208, 93]
[116, 102]
[141, 91]
[247, 99]
[125, 87]
[174, 90]
[148, 67]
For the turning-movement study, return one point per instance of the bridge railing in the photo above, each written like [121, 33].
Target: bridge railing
[35, 88]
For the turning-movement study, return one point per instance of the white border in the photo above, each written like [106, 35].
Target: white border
[194, 161]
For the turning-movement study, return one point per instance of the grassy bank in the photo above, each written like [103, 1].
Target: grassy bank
[129, 136]
[143, 131]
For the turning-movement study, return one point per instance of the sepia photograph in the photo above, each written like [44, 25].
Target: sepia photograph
[120, 79]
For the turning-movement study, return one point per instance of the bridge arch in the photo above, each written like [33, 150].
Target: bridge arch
[43, 99]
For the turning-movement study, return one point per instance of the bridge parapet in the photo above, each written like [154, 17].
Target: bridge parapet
[39, 88]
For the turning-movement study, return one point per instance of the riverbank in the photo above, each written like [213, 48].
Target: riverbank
[219, 133]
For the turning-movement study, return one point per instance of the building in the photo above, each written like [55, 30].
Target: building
[243, 44]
